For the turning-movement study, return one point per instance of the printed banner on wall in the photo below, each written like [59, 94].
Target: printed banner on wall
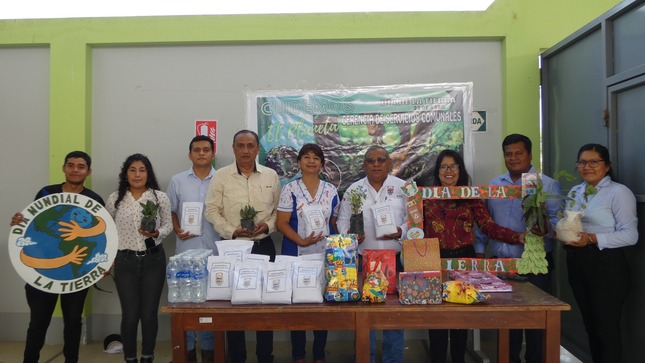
[413, 122]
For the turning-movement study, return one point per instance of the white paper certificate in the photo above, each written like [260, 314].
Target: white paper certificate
[191, 217]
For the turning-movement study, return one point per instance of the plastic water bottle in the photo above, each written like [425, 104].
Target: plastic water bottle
[198, 278]
[185, 279]
[171, 279]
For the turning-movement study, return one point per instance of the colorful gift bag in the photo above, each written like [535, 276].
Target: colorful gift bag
[375, 285]
[387, 259]
[420, 287]
[421, 255]
[340, 270]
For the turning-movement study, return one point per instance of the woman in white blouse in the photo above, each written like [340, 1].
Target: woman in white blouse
[140, 264]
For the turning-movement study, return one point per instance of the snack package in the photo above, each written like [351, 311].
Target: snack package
[460, 292]
[420, 288]
[375, 285]
[340, 270]
[387, 260]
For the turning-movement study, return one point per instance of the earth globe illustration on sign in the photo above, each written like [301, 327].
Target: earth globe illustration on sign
[47, 241]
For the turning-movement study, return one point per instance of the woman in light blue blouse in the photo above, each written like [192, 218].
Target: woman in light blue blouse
[598, 271]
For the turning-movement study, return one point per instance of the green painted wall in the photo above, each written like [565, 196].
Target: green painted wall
[524, 26]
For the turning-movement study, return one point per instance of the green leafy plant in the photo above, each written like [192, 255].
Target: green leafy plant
[149, 211]
[571, 201]
[533, 258]
[247, 213]
[356, 197]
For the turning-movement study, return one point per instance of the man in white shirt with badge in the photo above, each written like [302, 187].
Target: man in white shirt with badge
[382, 191]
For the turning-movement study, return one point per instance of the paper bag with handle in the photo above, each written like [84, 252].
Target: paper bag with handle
[421, 255]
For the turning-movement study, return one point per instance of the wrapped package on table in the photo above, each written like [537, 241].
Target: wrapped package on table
[421, 287]
[340, 269]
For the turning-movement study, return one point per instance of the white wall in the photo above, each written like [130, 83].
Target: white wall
[146, 99]
[24, 146]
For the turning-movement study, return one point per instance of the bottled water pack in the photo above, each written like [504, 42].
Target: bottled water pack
[187, 276]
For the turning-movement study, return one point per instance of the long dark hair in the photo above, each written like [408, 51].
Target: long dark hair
[602, 151]
[151, 183]
[464, 178]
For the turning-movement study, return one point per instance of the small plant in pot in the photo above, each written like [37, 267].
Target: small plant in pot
[568, 229]
[247, 213]
[149, 220]
[356, 198]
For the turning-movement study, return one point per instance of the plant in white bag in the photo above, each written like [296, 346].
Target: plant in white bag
[568, 229]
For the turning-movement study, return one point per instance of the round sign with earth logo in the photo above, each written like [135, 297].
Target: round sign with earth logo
[65, 243]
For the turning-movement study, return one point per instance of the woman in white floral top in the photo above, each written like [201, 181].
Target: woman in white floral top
[140, 264]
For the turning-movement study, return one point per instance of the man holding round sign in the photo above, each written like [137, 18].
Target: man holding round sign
[61, 244]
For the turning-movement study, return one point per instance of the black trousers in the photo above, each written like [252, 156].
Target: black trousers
[139, 281]
[41, 307]
[534, 337]
[600, 282]
[236, 341]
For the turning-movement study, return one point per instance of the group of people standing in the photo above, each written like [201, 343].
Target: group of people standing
[596, 263]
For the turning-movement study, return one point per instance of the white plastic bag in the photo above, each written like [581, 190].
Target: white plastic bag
[568, 229]
[220, 277]
[277, 283]
[247, 282]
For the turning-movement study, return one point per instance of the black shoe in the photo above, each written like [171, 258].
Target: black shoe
[192, 356]
[146, 359]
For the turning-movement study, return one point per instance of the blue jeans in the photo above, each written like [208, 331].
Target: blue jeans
[393, 345]
[205, 336]
[139, 282]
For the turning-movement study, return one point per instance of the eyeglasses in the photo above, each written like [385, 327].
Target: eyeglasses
[592, 163]
[453, 167]
[381, 160]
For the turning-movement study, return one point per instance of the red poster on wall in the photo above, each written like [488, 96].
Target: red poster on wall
[207, 128]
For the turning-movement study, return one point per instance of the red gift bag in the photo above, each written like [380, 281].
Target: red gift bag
[387, 259]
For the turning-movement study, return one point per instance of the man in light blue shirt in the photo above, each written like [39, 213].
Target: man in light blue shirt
[508, 213]
[192, 186]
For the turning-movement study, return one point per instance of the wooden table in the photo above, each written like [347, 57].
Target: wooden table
[527, 307]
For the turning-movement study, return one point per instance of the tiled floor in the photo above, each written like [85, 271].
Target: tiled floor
[337, 352]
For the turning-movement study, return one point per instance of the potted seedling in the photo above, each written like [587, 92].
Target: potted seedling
[356, 197]
[149, 211]
[247, 213]
[569, 227]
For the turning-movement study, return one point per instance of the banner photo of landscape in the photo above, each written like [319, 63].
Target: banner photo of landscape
[413, 122]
